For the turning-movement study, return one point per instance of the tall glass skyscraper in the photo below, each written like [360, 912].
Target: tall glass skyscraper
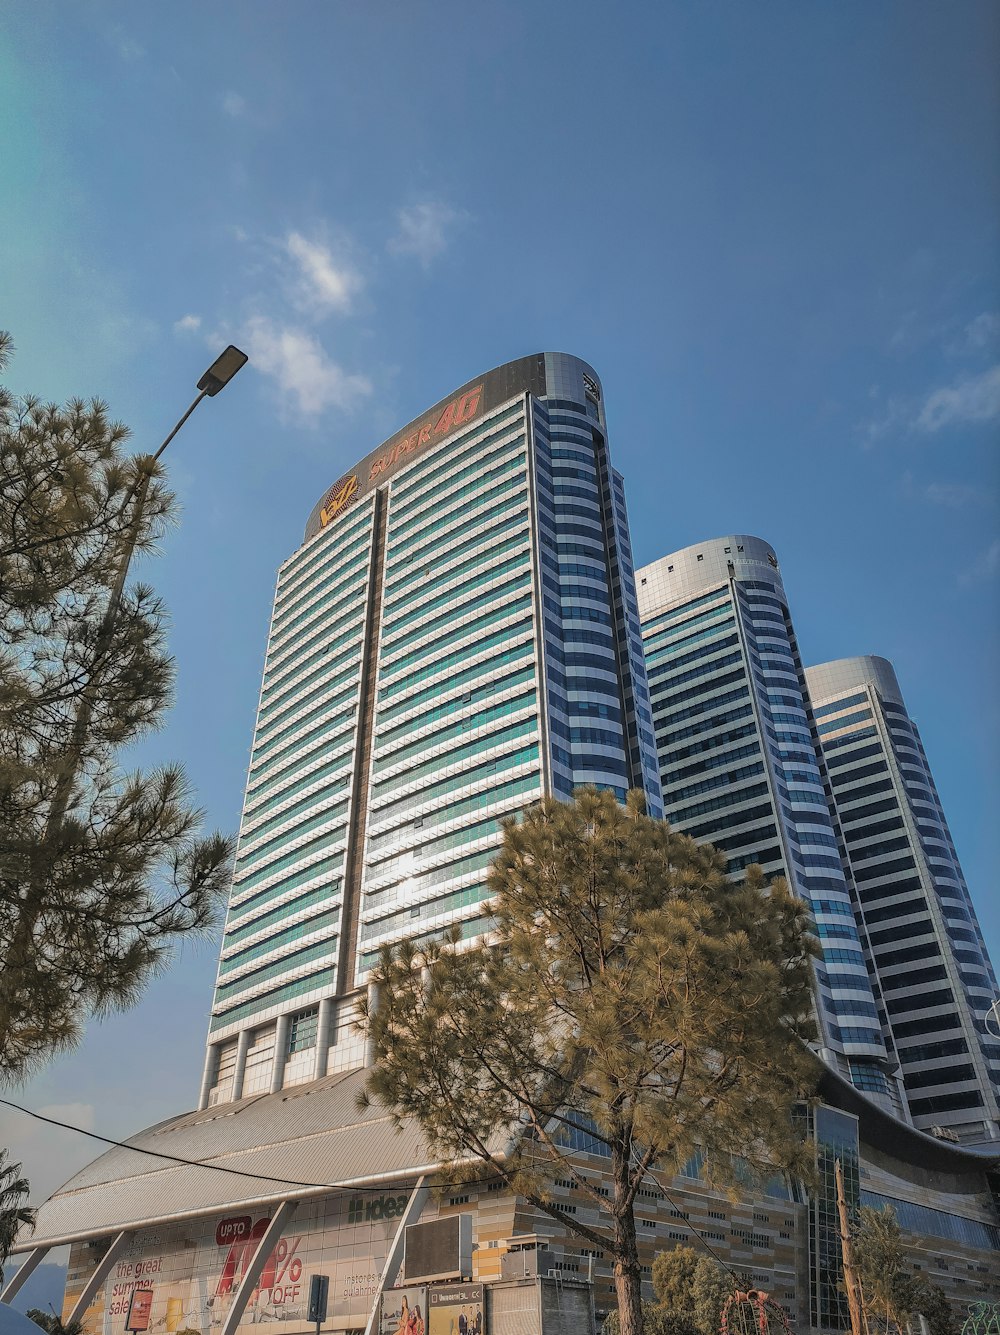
[934, 973]
[741, 767]
[457, 635]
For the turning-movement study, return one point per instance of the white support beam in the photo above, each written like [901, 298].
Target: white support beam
[414, 1206]
[253, 1271]
[240, 1069]
[104, 1267]
[280, 1052]
[27, 1266]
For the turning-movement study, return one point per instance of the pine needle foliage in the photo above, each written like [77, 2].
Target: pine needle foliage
[891, 1295]
[632, 992]
[100, 870]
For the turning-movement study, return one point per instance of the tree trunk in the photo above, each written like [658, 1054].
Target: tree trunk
[628, 1271]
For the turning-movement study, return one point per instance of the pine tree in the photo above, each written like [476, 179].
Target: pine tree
[633, 994]
[891, 1296]
[100, 871]
[878, 1256]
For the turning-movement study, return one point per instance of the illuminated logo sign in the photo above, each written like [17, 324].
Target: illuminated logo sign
[395, 453]
[460, 410]
[337, 497]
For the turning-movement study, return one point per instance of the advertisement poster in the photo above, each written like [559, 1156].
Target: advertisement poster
[456, 1309]
[404, 1311]
[183, 1280]
[139, 1308]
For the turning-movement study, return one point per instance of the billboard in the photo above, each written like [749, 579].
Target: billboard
[456, 1309]
[458, 410]
[438, 1249]
[139, 1307]
[404, 1311]
[182, 1279]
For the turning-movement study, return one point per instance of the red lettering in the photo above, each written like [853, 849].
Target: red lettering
[445, 421]
[468, 405]
[425, 434]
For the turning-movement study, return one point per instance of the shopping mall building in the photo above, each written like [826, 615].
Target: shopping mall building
[458, 635]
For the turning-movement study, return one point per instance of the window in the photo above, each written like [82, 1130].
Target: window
[302, 1030]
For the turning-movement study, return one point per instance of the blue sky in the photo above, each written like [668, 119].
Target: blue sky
[772, 228]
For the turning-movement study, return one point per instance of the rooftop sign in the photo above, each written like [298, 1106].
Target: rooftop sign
[459, 410]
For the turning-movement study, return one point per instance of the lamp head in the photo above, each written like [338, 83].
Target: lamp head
[222, 370]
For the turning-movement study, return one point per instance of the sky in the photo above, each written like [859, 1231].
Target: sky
[771, 228]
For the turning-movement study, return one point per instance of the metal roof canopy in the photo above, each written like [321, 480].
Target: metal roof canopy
[310, 1139]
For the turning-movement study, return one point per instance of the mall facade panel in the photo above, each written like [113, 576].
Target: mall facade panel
[935, 977]
[741, 766]
[212, 1252]
[456, 636]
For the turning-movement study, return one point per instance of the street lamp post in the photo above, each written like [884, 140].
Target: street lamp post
[215, 378]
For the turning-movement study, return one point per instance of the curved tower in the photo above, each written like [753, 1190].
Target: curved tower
[741, 767]
[934, 972]
[456, 636]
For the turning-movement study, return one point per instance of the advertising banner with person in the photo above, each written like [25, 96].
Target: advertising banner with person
[182, 1280]
[404, 1311]
[456, 1309]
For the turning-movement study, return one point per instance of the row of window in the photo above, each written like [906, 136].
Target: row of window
[275, 941]
[435, 650]
[352, 560]
[503, 653]
[485, 568]
[495, 796]
[493, 481]
[322, 978]
[483, 719]
[456, 703]
[317, 895]
[457, 755]
[291, 960]
[242, 883]
[440, 461]
[332, 815]
[465, 780]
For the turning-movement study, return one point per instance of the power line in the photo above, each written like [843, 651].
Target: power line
[215, 1167]
[327, 1186]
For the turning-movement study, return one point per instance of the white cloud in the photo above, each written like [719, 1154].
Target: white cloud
[127, 47]
[983, 329]
[955, 495]
[985, 567]
[309, 382]
[972, 399]
[187, 324]
[423, 230]
[892, 418]
[233, 104]
[320, 285]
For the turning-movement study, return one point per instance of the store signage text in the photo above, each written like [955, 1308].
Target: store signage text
[382, 1207]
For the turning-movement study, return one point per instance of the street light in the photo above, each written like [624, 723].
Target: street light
[215, 378]
[222, 370]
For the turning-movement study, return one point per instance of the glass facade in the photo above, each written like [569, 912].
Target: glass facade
[457, 637]
[936, 979]
[835, 1135]
[741, 766]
